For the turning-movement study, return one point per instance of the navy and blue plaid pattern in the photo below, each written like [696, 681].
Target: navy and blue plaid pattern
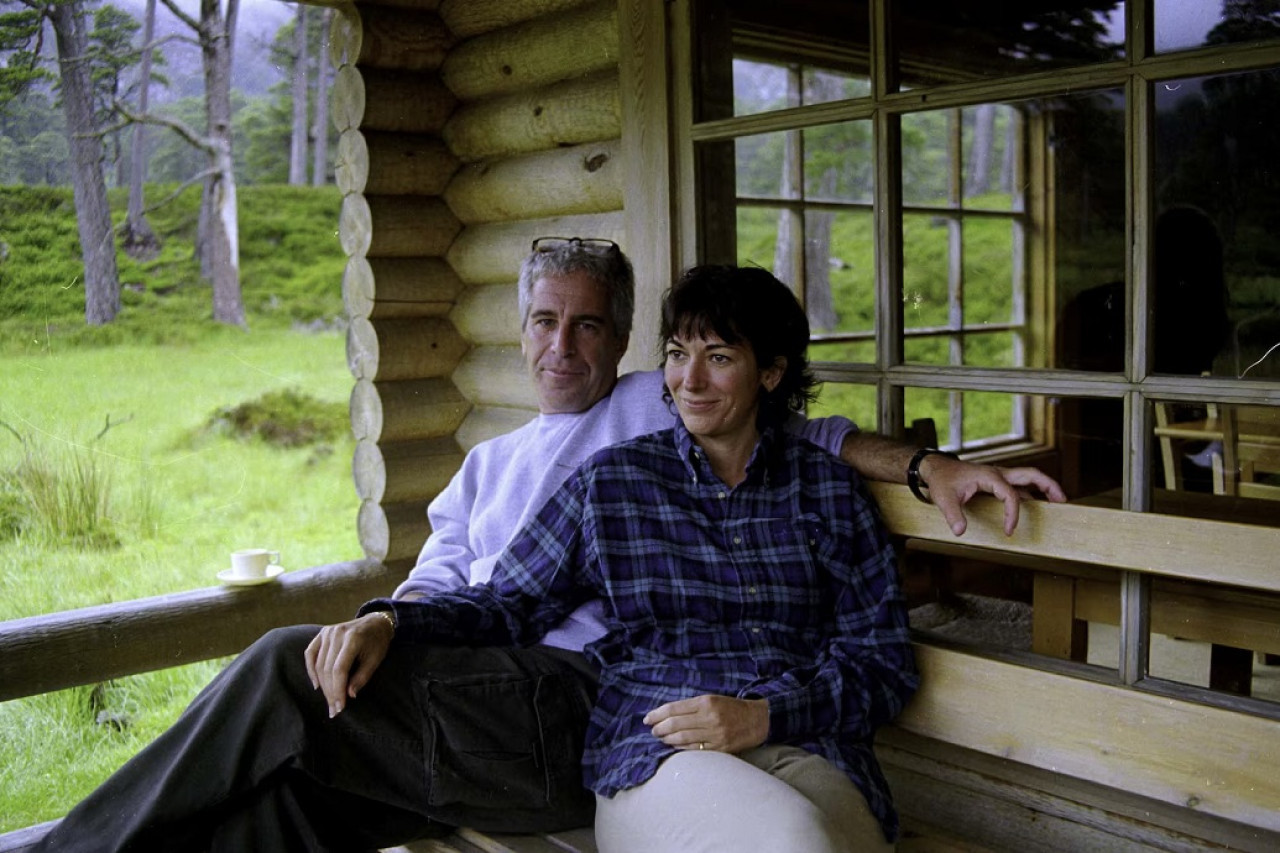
[783, 588]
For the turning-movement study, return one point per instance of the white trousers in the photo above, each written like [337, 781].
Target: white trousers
[771, 799]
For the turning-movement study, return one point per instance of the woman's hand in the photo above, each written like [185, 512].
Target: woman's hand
[342, 658]
[711, 722]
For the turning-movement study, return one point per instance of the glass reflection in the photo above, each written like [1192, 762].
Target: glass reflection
[765, 166]
[984, 422]
[803, 202]
[855, 402]
[1086, 135]
[1218, 637]
[837, 267]
[969, 597]
[1217, 460]
[759, 87]
[1217, 266]
[966, 158]
[838, 163]
[942, 42]
[1185, 24]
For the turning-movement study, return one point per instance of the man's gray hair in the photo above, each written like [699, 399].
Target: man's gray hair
[609, 267]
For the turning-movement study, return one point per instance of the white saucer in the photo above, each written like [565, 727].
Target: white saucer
[226, 576]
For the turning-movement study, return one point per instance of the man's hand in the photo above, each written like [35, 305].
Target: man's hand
[342, 658]
[953, 482]
[711, 722]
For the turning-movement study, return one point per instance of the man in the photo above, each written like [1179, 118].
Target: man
[275, 755]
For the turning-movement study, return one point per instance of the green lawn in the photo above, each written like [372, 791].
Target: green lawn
[180, 497]
[113, 483]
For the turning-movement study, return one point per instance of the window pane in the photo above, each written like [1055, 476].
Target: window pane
[1217, 460]
[925, 247]
[997, 601]
[762, 86]
[1217, 263]
[759, 87]
[1074, 439]
[1219, 637]
[821, 85]
[926, 160]
[840, 270]
[940, 43]
[838, 165]
[860, 351]
[990, 274]
[992, 135]
[1089, 258]
[1183, 24]
[759, 57]
[855, 402]
[960, 304]
[837, 267]
[964, 158]
[761, 164]
[758, 229]
[980, 421]
[968, 598]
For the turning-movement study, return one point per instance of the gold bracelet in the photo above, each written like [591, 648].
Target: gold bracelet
[386, 614]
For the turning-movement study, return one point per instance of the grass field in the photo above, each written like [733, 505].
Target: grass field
[121, 475]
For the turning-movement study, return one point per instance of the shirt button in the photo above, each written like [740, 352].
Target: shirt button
[755, 630]
[737, 540]
[751, 590]
[720, 495]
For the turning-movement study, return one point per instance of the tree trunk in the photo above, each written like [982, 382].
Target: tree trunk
[320, 166]
[93, 214]
[298, 139]
[819, 303]
[221, 249]
[139, 240]
[984, 140]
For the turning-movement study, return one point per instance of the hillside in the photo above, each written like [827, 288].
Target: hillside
[291, 268]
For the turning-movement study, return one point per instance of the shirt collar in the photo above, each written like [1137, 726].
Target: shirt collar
[695, 461]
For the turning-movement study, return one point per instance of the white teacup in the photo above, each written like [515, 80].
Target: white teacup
[252, 562]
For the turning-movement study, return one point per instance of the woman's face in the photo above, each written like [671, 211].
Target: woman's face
[716, 386]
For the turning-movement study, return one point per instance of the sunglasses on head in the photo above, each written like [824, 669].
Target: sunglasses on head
[591, 244]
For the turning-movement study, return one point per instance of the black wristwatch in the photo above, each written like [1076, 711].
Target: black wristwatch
[914, 481]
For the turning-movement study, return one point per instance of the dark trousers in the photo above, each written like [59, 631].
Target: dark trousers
[440, 737]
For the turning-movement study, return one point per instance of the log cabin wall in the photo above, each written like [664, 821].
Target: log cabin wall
[467, 128]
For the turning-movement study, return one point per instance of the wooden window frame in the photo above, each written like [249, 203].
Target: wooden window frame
[1136, 75]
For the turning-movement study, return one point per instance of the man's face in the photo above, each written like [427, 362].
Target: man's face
[570, 344]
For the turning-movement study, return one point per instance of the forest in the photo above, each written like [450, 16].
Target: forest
[97, 96]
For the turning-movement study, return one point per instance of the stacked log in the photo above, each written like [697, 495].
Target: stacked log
[467, 130]
[390, 107]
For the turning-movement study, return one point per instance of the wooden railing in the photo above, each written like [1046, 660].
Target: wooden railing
[1190, 769]
[40, 654]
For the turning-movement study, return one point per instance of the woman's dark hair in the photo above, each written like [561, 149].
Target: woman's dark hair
[745, 305]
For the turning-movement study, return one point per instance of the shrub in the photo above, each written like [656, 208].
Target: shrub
[282, 418]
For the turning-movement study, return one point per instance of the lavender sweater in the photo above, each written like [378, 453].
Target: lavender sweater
[506, 480]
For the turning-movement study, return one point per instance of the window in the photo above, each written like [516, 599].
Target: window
[1039, 236]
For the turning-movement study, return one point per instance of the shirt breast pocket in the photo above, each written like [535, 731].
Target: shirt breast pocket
[781, 567]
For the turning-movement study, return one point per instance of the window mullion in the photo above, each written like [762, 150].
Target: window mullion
[886, 153]
[955, 270]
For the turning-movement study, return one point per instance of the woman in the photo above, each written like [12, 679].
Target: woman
[757, 635]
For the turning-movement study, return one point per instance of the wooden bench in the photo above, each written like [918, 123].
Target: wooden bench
[984, 758]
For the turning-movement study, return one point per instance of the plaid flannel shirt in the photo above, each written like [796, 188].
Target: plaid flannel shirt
[783, 588]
